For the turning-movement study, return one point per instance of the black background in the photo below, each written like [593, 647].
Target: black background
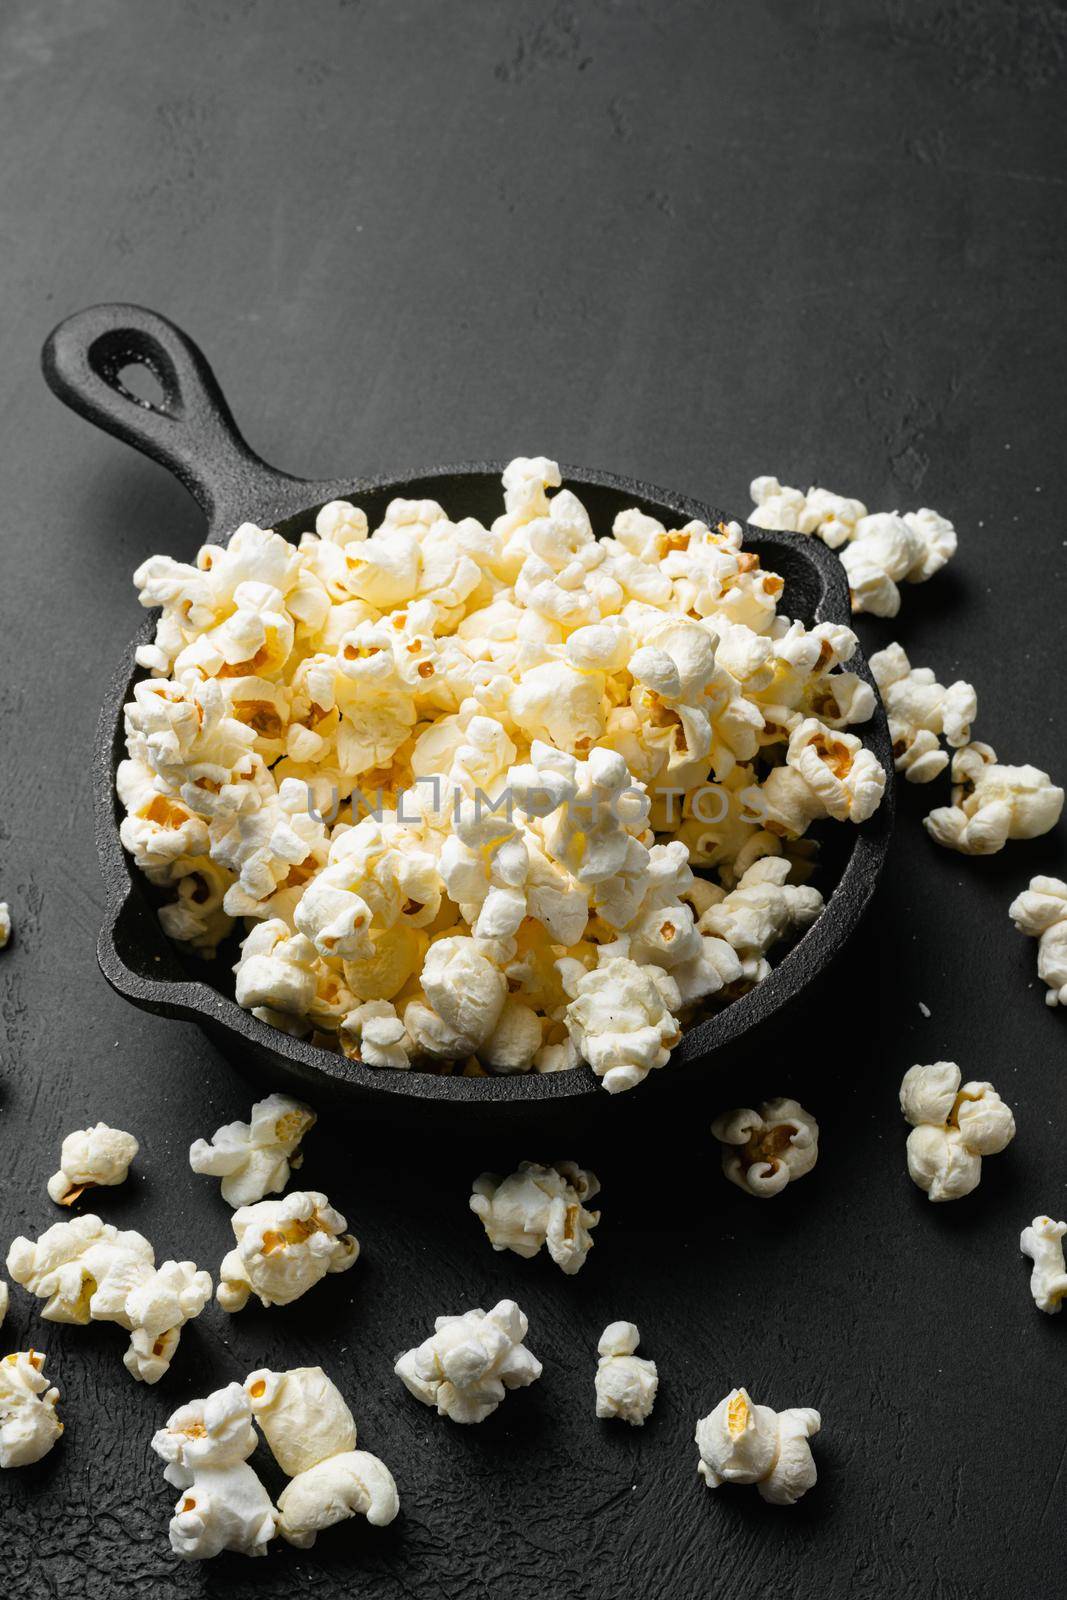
[687, 243]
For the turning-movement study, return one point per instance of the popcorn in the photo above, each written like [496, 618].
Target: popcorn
[764, 1150]
[626, 1383]
[539, 1205]
[762, 909]
[99, 1155]
[5, 1295]
[919, 709]
[740, 1442]
[87, 1270]
[953, 1127]
[832, 517]
[1041, 912]
[5, 924]
[302, 1414]
[255, 1158]
[992, 804]
[29, 1426]
[223, 1504]
[284, 1247]
[467, 1365]
[353, 1484]
[395, 754]
[1042, 1241]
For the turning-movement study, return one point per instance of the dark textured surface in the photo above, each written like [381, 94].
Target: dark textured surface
[687, 243]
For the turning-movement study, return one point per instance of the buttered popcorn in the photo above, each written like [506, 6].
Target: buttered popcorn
[86, 1270]
[538, 1206]
[764, 1150]
[255, 1158]
[953, 1125]
[430, 773]
[92, 1156]
[740, 1442]
[878, 552]
[1041, 912]
[284, 1247]
[470, 1362]
[29, 1426]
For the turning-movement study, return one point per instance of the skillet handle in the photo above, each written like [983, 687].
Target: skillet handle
[190, 429]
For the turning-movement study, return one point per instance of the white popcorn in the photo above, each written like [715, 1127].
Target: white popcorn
[5, 1295]
[277, 969]
[469, 1363]
[919, 709]
[1041, 912]
[621, 1017]
[465, 994]
[762, 909]
[1042, 1241]
[87, 1270]
[303, 1416]
[5, 924]
[831, 516]
[992, 803]
[29, 1426]
[846, 779]
[92, 1156]
[626, 1383]
[223, 1504]
[284, 1247]
[352, 1484]
[255, 1158]
[375, 1034]
[740, 1442]
[953, 1127]
[764, 1150]
[539, 1205]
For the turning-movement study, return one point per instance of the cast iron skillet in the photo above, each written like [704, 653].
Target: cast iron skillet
[191, 432]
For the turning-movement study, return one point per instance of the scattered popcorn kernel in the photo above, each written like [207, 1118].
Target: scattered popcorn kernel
[539, 1205]
[29, 1426]
[1041, 912]
[99, 1155]
[470, 1362]
[5, 1295]
[255, 1158]
[763, 1150]
[740, 1442]
[992, 804]
[5, 924]
[1042, 1241]
[953, 1127]
[302, 1414]
[223, 1505]
[920, 709]
[284, 1247]
[626, 1383]
[86, 1270]
[352, 1484]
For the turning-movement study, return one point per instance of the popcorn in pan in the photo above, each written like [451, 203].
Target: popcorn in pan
[536, 1206]
[1042, 1241]
[1041, 912]
[954, 1125]
[284, 1247]
[255, 1158]
[766, 1149]
[29, 1426]
[740, 1442]
[86, 1270]
[92, 1156]
[626, 1383]
[469, 1362]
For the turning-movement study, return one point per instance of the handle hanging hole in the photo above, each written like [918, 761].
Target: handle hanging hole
[137, 367]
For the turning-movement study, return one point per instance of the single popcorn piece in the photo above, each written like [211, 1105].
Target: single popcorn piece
[352, 1484]
[303, 1416]
[1042, 1241]
[764, 1150]
[5, 1295]
[5, 924]
[255, 1158]
[920, 709]
[953, 1127]
[626, 1383]
[470, 1362]
[284, 1247]
[992, 803]
[29, 1426]
[1041, 912]
[622, 1019]
[223, 1504]
[539, 1205]
[740, 1442]
[93, 1156]
[87, 1270]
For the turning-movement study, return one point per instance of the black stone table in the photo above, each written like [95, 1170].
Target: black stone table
[689, 243]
